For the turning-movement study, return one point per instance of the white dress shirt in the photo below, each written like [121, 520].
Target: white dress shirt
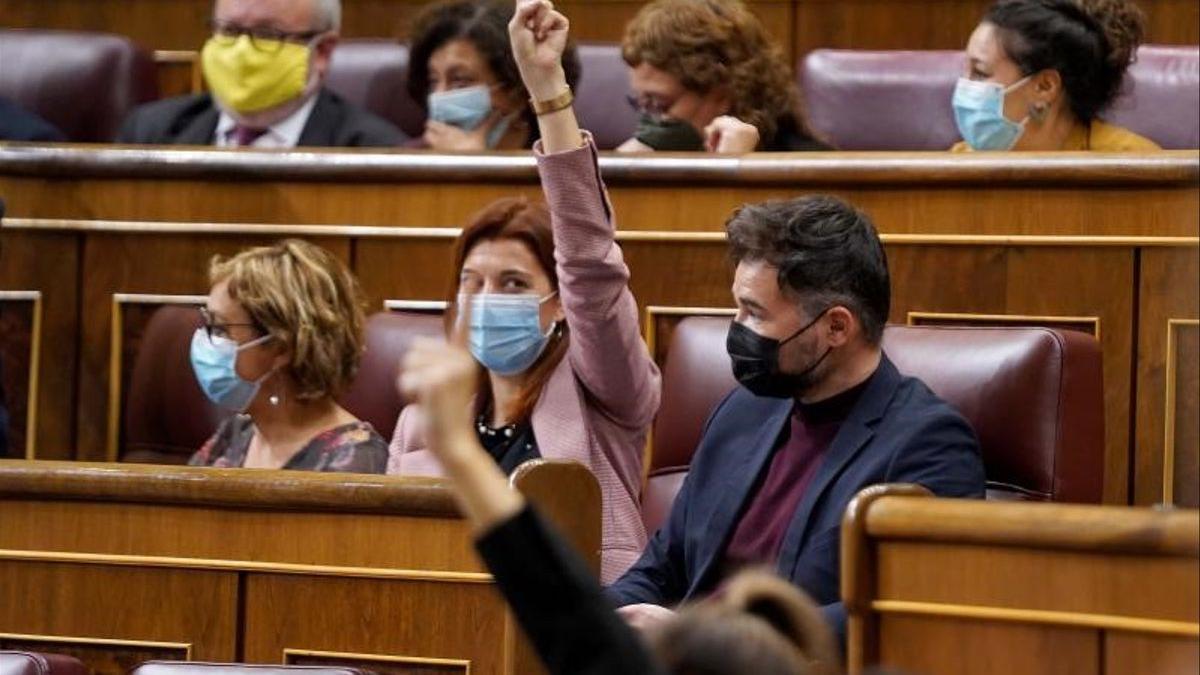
[283, 134]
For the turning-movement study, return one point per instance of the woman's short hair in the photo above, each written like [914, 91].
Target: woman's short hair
[309, 301]
[707, 44]
[757, 623]
[1089, 42]
[483, 23]
[514, 219]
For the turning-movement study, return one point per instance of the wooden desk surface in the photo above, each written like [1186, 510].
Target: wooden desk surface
[123, 562]
[950, 586]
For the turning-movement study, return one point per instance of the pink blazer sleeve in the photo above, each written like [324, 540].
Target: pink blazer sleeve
[607, 352]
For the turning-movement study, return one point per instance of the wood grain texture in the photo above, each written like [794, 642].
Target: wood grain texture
[49, 263]
[1168, 290]
[942, 584]
[380, 566]
[798, 26]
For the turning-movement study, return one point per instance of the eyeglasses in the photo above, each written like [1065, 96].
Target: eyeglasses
[646, 105]
[221, 330]
[266, 40]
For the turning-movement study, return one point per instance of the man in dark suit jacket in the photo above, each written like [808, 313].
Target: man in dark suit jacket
[18, 124]
[821, 414]
[265, 65]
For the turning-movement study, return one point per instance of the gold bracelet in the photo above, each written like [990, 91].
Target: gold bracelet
[560, 102]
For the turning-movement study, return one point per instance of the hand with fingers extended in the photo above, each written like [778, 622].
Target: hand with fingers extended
[729, 135]
[539, 36]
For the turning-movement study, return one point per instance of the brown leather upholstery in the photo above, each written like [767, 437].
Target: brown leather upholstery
[373, 396]
[1033, 395]
[167, 416]
[370, 73]
[82, 83]
[202, 668]
[36, 663]
[900, 100]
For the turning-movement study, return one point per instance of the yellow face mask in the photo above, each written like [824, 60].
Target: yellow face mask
[249, 77]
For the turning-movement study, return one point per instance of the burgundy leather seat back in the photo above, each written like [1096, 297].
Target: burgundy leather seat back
[373, 396]
[36, 663]
[370, 73]
[82, 83]
[881, 100]
[1162, 97]
[167, 416]
[202, 668]
[600, 99]
[1033, 395]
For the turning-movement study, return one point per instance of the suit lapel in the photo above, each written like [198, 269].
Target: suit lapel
[322, 124]
[855, 433]
[740, 481]
[200, 128]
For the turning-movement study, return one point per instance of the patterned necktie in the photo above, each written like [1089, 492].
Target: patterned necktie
[243, 136]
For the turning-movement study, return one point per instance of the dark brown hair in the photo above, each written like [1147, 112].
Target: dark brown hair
[757, 624]
[827, 252]
[707, 44]
[516, 219]
[1090, 43]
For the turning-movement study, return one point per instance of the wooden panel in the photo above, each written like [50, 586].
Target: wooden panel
[424, 621]
[269, 566]
[1077, 582]
[1182, 474]
[872, 24]
[938, 584]
[20, 341]
[89, 604]
[383, 665]
[1133, 654]
[1169, 290]
[938, 646]
[48, 263]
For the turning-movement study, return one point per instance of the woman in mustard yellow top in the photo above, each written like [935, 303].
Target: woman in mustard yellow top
[1040, 72]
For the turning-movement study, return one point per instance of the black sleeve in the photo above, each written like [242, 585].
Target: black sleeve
[558, 602]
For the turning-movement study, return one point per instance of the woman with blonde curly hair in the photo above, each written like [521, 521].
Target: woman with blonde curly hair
[282, 336]
[1040, 73]
[706, 77]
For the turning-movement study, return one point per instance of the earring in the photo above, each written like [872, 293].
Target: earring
[1037, 111]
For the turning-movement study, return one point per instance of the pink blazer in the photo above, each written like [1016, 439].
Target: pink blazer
[598, 404]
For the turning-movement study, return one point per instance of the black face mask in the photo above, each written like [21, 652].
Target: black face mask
[756, 362]
[668, 134]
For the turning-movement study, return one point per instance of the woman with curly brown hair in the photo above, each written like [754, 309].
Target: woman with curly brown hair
[1040, 72]
[706, 77]
[282, 337]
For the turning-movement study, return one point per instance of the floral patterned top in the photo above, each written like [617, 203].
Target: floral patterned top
[349, 448]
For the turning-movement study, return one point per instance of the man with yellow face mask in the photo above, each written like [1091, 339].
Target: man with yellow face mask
[265, 65]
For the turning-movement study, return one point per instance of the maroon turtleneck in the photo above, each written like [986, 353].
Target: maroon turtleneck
[801, 447]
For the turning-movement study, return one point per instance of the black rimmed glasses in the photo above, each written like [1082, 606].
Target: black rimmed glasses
[652, 107]
[215, 329]
[266, 40]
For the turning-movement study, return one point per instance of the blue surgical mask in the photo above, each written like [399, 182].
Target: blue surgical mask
[466, 109]
[214, 360]
[505, 334]
[979, 114]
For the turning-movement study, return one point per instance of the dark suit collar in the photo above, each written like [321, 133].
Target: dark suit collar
[199, 127]
[854, 434]
[324, 121]
[768, 420]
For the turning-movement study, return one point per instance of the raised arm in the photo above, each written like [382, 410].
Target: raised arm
[607, 352]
